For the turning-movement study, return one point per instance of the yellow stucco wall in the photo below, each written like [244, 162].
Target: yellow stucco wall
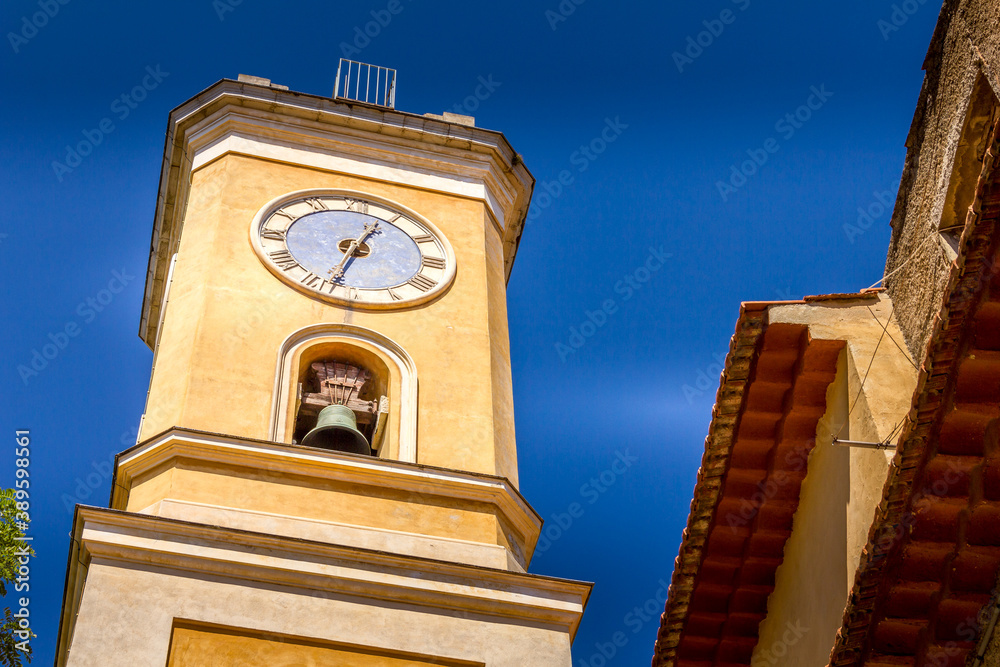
[285, 495]
[227, 316]
[503, 388]
[805, 609]
[193, 646]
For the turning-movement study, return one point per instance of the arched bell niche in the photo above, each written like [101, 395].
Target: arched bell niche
[348, 365]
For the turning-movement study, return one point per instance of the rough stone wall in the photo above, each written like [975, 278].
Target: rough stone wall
[966, 43]
[992, 657]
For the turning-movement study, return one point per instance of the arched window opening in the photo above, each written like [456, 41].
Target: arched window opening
[324, 364]
[970, 154]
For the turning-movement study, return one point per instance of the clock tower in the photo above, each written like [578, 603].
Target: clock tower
[326, 471]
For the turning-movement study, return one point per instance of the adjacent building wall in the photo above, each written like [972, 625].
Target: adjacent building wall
[966, 46]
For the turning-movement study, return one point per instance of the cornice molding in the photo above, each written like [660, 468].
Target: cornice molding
[235, 117]
[111, 536]
[325, 465]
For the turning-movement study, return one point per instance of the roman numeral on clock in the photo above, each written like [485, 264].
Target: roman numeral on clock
[394, 295]
[317, 204]
[286, 214]
[276, 234]
[357, 205]
[423, 238]
[433, 262]
[421, 282]
[310, 280]
[283, 259]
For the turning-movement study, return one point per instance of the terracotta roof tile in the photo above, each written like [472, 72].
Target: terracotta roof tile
[771, 396]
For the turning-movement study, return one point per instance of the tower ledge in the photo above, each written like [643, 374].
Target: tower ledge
[318, 494]
[257, 582]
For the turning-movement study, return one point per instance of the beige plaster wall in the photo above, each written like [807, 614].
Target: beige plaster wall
[843, 485]
[117, 626]
[811, 582]
[227, 316]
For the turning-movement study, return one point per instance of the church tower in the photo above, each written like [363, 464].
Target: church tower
[326, 471]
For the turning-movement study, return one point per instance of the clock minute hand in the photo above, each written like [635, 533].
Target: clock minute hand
[338, 271]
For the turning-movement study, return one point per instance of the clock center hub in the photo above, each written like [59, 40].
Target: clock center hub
[363, 249]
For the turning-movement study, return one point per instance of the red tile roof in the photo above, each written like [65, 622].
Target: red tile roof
[933, 554]
[772, 395]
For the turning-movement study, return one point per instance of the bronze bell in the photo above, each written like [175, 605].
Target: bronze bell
[337, 429]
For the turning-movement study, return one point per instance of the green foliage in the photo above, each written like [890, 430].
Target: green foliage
[10, 654]
[12, 530]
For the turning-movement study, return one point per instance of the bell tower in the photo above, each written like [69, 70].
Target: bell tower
[326, 471]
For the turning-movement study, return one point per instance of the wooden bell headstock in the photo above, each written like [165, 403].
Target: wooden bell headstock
[338, 383]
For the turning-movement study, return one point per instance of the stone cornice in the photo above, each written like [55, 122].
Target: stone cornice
[112, 536]
[261, 120]
[325, 465]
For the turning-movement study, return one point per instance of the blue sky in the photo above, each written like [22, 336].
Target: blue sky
[630, 272]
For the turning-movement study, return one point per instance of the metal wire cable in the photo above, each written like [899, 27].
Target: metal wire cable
[834, 436]
[908, 259]
[885, 328]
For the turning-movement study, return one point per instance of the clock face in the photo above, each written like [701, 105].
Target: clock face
[351, 249]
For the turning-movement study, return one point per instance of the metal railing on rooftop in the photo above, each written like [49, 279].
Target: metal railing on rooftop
[355, 81]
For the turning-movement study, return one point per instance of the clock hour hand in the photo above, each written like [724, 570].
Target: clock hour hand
[338, 271]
